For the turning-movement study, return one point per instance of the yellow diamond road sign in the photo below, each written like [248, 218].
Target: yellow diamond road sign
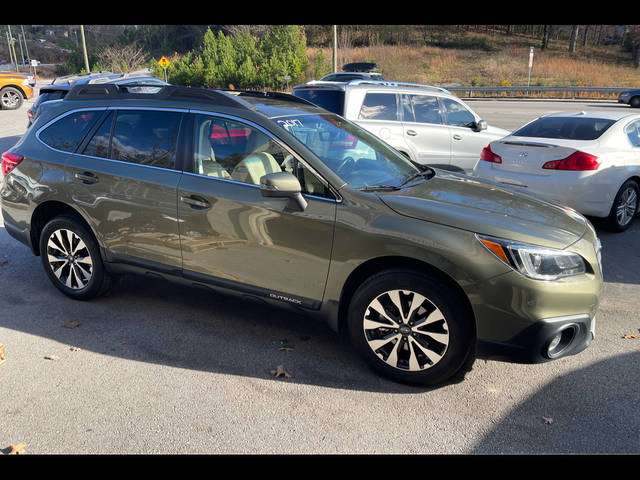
[164, 63]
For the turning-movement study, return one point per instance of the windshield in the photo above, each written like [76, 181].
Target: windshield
[354, 154]
[566, 128]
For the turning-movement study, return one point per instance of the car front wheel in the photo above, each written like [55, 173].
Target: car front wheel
[71, 259]
[411, 328]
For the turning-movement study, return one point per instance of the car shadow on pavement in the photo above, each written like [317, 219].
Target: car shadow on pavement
[568, 415]
[146, 319]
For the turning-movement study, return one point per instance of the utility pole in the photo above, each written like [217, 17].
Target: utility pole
[25, 46]
[13, 48]
[84, 49]
[335, 48]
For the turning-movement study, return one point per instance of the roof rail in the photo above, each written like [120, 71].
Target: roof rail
[167, 92]
[396, 84]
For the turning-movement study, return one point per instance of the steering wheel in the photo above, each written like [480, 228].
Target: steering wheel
[348, 161]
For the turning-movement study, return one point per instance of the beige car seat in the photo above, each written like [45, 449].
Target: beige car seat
[205, 159]
[255, 166]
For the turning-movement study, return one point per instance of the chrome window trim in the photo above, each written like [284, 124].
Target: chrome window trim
[279, 142]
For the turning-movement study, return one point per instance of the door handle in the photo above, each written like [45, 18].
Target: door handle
[413, 133]
[457, 137]
[195, 202]
[87, 178]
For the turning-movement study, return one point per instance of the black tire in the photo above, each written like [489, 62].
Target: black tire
[624, 208]
[433, 343]
[11, 98]
[71, 258]
[635, 102]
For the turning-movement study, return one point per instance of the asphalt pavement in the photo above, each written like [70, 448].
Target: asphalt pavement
[158, 368]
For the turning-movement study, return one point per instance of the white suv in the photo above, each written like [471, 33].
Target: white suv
[427, 124]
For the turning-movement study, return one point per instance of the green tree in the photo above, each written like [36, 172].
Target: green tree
[283, 53]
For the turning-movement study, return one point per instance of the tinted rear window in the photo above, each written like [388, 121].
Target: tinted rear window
[67, 133]
[332, 100]
[566, 128]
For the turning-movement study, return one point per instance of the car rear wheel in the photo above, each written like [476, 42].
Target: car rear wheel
[635, 102]
[411, 328]
[10, 98]
[71, 258]
[625, 206]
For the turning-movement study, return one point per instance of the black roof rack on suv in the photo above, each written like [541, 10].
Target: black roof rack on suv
[168, 92]
[230, 98]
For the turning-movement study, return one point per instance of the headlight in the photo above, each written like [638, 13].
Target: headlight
[535, 262]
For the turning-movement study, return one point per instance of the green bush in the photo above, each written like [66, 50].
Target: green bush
[241, 61]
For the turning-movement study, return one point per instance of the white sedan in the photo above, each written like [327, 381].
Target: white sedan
[589, 161]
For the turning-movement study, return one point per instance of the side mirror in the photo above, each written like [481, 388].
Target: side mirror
[480, 125]
[283, 185]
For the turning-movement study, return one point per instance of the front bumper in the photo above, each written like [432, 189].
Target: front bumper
[519, 318]
[545, 340]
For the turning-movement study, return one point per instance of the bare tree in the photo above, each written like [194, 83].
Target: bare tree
[123, 59]
[574, 38]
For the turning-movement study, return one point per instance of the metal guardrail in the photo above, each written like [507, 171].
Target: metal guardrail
[572, 92]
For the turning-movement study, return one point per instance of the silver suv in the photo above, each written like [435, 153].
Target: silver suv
[427, 124]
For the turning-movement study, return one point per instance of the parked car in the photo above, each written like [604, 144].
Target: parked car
[354, 71]
[14, 89]
[268, 196]
[61, 86]
[589, 161]
[630, 97]
[429, 125]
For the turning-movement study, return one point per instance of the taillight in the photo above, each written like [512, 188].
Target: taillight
[488, 156]
[10, 161]
[575, 161]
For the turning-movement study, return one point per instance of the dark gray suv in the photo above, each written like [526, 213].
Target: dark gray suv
[264, 194]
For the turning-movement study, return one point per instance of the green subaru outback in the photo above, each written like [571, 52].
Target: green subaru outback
[264, 194]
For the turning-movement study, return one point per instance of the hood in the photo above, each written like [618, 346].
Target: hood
[483, 207]
[497, 131]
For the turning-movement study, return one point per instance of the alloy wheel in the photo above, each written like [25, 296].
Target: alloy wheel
[69, 259]
[406, 330]
[10, 99]
[627, 206]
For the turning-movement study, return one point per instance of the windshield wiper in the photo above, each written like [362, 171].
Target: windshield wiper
[427, 172]
[373, 188]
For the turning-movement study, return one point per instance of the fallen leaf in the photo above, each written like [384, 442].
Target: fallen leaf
[287, 348]
[75, 349]
[547, 421]
[629, 336]
[17, 449]
[279, 372]
[3, 354]
[73, 324]
[52, 357]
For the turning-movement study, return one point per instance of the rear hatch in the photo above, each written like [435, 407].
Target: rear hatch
[528, 155]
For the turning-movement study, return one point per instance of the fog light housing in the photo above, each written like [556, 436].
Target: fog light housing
[560, 342]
